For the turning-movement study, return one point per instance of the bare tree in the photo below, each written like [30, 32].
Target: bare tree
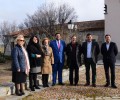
[48, 15]
[66, 13]
[6, 29]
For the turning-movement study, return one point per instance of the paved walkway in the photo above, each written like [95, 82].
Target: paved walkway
[79, 92]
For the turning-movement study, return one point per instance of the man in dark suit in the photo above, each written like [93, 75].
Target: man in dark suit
[109, 51]
[58, 46]
[73, 52]
[90, 50]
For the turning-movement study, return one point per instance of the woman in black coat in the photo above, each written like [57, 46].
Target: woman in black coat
[34, 52]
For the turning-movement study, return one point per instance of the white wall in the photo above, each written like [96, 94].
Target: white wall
[112, 20]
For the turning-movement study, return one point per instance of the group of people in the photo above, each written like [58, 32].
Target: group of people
[49, 58]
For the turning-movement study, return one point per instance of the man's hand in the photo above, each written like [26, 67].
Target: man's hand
[18, 70]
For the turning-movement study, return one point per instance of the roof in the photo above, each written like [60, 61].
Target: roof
[90, 25]
[81, 26]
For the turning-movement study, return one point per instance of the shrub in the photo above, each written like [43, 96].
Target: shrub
[2, 58]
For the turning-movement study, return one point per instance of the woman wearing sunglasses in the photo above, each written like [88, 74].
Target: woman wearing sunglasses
[20, 65]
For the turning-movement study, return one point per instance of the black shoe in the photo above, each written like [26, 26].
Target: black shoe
[106, 85]
[18, 93]
[61, 84]
[71, 84]
[45, 85]
[113, 86]
[94, 85]
[76, 84]
[36, 87]
[32, 89]
[22, 92]
[53, 84]
[87, 84]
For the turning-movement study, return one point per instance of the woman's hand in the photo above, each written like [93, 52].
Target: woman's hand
[38, 56]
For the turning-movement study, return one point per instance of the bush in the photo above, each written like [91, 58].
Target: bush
[7, 57]
[2, 58]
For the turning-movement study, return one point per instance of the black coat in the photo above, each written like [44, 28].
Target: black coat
[109, 55]
[33, 49]
[95, 51]
[69, 54]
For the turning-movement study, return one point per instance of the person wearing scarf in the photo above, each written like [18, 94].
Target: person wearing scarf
[47, 61]
[20, 65]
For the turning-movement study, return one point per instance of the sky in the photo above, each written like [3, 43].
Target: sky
[16, 10]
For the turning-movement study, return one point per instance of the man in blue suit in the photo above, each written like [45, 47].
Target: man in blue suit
[58, 46]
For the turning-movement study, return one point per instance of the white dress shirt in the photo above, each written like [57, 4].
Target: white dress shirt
[107, 46]
[89, 48]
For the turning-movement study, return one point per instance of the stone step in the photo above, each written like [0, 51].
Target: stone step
[9, 88]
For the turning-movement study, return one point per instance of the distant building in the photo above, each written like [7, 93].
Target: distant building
[112, 20]
[96, 28]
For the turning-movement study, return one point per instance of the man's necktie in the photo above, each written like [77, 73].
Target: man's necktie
[58, 44]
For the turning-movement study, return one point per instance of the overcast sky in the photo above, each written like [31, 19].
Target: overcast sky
[16, 10]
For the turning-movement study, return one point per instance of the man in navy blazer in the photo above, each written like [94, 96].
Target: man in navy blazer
[58, 46]
[109, 51]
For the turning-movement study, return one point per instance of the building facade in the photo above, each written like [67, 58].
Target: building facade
[112, 20]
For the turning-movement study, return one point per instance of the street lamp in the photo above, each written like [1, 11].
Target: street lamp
[70, 25]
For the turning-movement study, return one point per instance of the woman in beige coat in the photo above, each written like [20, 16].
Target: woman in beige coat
[47, 61]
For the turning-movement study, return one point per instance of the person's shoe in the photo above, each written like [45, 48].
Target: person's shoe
[44, 86]
[76, 84]
[94, 85]
[106, 85]
[87, 84]
[61, 84]
[32, 89]
[71, 84]
[53, 84]
[22, 92]
[47, 85]
[36, 87]
[113, 86]
[18, 93]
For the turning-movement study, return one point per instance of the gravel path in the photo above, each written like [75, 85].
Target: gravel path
[80, 91]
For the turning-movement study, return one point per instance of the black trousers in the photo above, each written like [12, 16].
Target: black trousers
[89, 62]
[111, 66]
[73, 74]
[45, 79]
[32, 79]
